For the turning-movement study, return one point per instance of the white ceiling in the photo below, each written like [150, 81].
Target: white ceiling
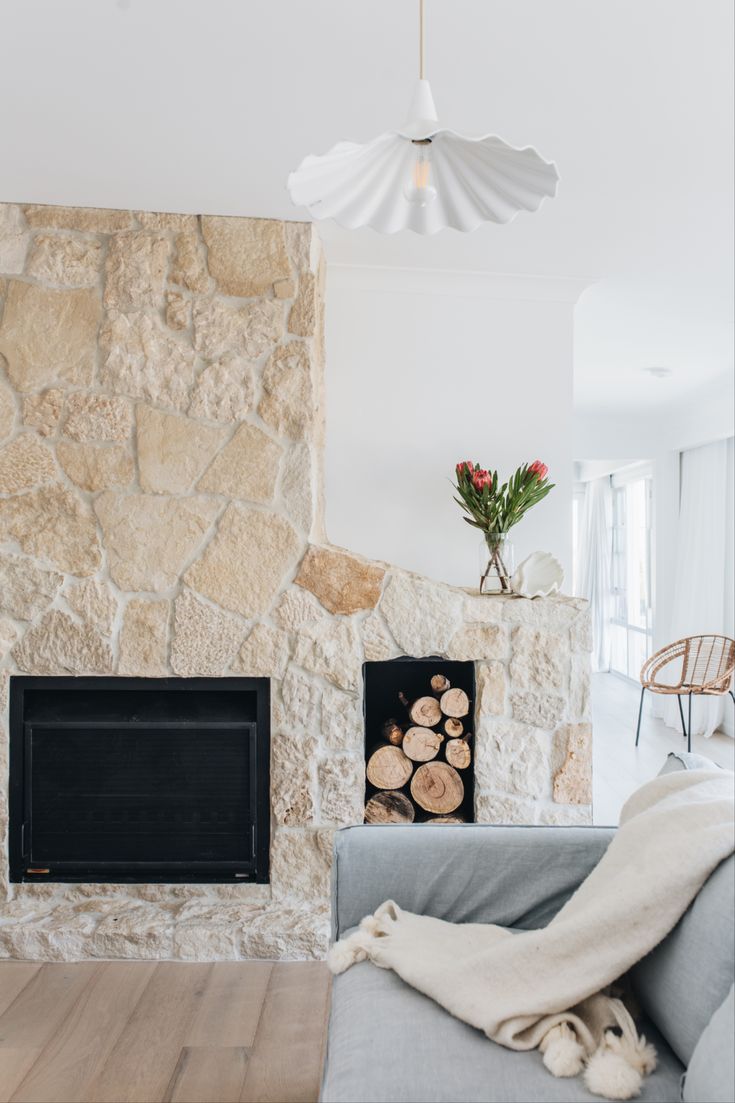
[205, 105]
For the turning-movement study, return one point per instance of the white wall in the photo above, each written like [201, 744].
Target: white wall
[427, 368]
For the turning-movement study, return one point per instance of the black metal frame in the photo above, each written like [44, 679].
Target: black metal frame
[138, 872]
[686, 728]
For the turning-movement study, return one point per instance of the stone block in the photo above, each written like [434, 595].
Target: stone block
[88, 219]
[580, 707]
[135, 270]
[377, 642]
[247, 467]
[26, 590]
[250, 330]
[94, 602]
[264, 654]
[298, 490]
[501, 809]
[297, 933]
[289, 403]
[8, 636]
[301, 861]
[292, 779]
[96, 466]
[52, 523]
[296, 608]
[478, 641]
[581, 632]
[7, 411]
[178, 311]
[49, 336]
[142, 358]
[341, 790]
[332, 649]
[205, 640]
[24, 464]
[173, 451]
[423, 616]
[565, 815]
[98, 417]
[143, 639]
[342, 722]
[342, 582]
[14, 239]
[303, 318]
[246, 563]
[149, 539]
[224, 391]
[511, 758]
[58, 645]
[42, 411]
[540, 710]
[189, 267]
[491, 686]
[65, 261]
[573, 782]
[165, 220]
[301, 702]
[246, 256]
[540, 659]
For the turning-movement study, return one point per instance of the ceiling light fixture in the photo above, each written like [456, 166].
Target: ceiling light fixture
[422, 177]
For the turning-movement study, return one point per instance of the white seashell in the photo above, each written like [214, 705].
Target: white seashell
[475, 180]
[539, 575]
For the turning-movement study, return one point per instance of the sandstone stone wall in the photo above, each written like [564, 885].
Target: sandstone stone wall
[161, 432]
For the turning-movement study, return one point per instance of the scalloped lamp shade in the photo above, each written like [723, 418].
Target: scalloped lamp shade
[423, 177]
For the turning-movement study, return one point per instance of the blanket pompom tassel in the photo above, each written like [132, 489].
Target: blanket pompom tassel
[356, 947]
[563, 1053]
[617, 1067]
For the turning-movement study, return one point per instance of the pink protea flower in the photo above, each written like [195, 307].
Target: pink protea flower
[482, 479]
[464, 465]
[539, 469]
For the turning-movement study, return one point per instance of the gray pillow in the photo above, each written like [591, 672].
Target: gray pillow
[710, 1077]
[687, 760]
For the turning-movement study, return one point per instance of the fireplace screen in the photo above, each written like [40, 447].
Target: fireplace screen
[132, 779]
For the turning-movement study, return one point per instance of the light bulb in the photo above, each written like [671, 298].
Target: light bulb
[419, 190]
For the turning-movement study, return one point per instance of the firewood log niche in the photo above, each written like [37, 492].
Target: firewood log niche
[419, 741]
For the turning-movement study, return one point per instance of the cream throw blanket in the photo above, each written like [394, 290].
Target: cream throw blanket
[548, 988]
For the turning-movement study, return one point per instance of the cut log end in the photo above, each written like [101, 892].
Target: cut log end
[453, 728]
[458, 753]
[446, 819]
[389, 807]
[426, 712]
[393, 732]
[422, 744]
[388, 768]
[437, 788]
[440, 683]
[455, 703]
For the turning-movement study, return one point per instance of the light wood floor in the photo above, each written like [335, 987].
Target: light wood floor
[112, 1032]
[619, 766]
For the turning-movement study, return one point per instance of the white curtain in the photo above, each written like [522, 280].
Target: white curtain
[703, 578]
[595, 552]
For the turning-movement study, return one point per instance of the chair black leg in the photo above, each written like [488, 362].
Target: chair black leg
[681, 714]
[732, 695]
[640, 714]
[689, 726]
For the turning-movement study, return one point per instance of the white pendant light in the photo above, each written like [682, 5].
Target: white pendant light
[422, 177]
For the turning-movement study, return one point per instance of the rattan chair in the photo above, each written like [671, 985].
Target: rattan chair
[706, 669]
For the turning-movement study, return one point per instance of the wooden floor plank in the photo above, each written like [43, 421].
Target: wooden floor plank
[87, 1036]
[142, 1063]
[230, 1008]
[14, 976]
[15, 1061]
[286, 1061]
[43, 1004]
[208, 1074]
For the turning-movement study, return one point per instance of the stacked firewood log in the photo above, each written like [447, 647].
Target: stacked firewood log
[417, 770]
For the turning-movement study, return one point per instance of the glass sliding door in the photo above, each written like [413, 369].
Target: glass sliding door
[631, 621]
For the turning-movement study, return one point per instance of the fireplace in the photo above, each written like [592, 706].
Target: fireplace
[139, 779]
[419, 741]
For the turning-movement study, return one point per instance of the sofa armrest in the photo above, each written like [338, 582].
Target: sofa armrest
[473, 873]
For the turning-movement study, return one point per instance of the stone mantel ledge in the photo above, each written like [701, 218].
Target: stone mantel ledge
[186, 404]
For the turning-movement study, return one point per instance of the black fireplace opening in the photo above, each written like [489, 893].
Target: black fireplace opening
[139, 779]
[419, 740]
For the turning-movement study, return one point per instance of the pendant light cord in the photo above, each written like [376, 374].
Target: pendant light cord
[422, 48]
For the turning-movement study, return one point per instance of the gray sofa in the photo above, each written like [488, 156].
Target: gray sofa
[389, 1043]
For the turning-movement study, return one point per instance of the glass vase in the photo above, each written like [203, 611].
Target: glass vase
[497, 563]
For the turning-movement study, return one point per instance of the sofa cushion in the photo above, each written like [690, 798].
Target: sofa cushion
[387, 1042]
[711, 1072]
[683, 981]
